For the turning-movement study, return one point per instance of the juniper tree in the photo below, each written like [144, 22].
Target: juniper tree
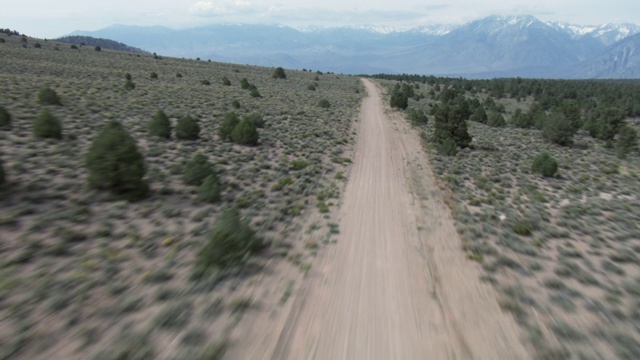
[187, 128]
[46, 125]
[115, 163]
[160, 126]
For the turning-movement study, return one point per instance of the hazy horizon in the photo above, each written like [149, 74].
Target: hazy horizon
[52, 20]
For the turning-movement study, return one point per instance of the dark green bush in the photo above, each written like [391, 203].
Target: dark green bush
[226, 81]
[47, 126]
[231, 241]
[209, 191]
[399, 100]
[417, 117]
[496, 120]
[324, 103]
[187, 128]
[256, 119]
[479, 115]
[545, 165]
[236, 104]
[228, 124]
[153, 75]
[116, 164]
[245, 133]
[627, 141]
[127, 76]
[279, 73]
[197, 170]
[160, 126]
[5, 119]
[48, 96]
[97, 48]
[558, 129]
[178, 75]
[448, 147]
[244, 84]
[522, 120]
[254, 92]
[205, 82]
[450, 123]
[311, 87]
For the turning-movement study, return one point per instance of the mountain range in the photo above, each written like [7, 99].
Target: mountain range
[496, 46]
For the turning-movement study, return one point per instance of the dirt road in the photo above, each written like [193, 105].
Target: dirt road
[396, 285]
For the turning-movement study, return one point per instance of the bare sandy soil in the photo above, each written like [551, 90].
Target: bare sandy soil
[397, 284]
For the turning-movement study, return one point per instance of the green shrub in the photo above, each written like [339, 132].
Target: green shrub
[545, 165]
[5, 119]
[496, 120]
[255, 93]
[524, 227]
[197, 170]
[187, 128]
[558, 129]
[226, 81]
[209, 191]
[116, 164]
[47, 126]
[228, 124]
[480, 115]
[48, 96]
[448, 147]
[627, 141]
[236, 104]
[256, 119]
[450, 123]
[311, 87]
[129, 85]
[245, 133]
[160, 126]
[205, 82]
[399, 100]
[244, 84]
[522, 120]
[417, 117]
[279, 73]
[153, 75]
[608, 123]
[97, 48]
[324, 103]
[178, 75]
[231, 241]
[127, 76]
[298, 164]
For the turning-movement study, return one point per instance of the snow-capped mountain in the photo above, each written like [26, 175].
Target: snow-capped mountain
[607, 34]
[494, 46]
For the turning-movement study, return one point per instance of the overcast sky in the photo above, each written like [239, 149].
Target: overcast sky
[50, 19]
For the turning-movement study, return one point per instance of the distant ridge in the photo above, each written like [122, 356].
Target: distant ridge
[103, 43]
[496, 46]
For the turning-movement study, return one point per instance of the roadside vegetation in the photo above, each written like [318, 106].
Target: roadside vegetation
[131, 223]
[545, 200]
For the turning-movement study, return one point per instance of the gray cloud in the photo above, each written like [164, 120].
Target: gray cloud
[217, 8]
